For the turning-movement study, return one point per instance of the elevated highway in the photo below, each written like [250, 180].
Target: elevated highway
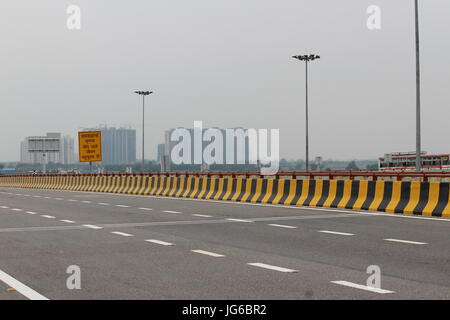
[131, 246]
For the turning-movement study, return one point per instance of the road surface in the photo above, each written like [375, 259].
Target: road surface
[139, 247]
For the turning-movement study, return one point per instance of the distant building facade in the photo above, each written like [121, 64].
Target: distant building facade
[67, 150]
[160, 152]
[169, 144]
[118, 145]
[65, 155]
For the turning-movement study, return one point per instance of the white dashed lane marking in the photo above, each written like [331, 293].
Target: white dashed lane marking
[336, 233]
[4, 207]
[405, 241]
[202, 215]
[163, 243]
[361, 287]
[47, 216]
[103, 204]
[67, 221]
[239, 220]
[169, 211]
[208, 253]
[122, 234]
[31, 212]
[270, 267]
[16, 209]
[92, 226]
[145, 209]
[122, 206]
[282, 226]
[86, 201]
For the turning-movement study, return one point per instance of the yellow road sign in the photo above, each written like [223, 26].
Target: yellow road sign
[90, 146]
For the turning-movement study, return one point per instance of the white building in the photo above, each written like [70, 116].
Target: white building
[67, 155]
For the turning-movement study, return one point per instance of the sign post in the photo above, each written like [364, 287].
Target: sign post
[90, 147]
[44, 145]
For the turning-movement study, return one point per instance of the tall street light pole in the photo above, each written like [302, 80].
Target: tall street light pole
[143, 94]
[307, 58]
[418, 129]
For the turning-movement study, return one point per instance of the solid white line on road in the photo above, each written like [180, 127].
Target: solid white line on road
[92, 226]
[168, 211]
[239, 220]
[122, 234]
[282, 226]
[362, 287]
[48, 217]
[268, 266]
[208, 253]
[202, 215]
[160, 242]
[20, 287]
[15, 209]
[103, 204]
[147, 209]
[405, 241]
[67, 221]
[31, 212]
[337, 233]
[122, 206]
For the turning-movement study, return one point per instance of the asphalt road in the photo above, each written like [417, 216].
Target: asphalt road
[135, 247]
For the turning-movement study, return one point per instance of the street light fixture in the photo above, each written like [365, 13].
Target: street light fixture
[307, 58]
[143, 94]
[418, 129]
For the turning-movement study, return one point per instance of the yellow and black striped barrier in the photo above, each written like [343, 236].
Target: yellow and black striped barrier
[407, 197]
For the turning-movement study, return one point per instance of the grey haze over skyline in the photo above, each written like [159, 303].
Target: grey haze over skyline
[227, 63]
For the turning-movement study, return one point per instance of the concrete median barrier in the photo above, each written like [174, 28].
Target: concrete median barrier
[403, 197]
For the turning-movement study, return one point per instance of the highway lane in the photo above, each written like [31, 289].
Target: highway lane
[117, 261]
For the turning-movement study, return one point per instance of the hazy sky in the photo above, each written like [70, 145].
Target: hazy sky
[228, 63]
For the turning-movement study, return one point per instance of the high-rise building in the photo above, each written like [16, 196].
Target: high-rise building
[25, 156]
[118, 145]
[240, 144]
[67, 150]
[160, 152]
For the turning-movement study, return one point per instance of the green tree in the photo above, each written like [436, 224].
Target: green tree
[352, 166]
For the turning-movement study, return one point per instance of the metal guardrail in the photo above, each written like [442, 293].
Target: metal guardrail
[343, 174]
